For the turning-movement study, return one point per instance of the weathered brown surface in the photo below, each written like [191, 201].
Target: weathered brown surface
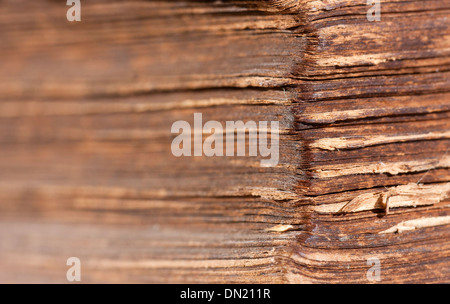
[85, 164]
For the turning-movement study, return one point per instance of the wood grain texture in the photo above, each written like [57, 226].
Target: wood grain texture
[86, 111]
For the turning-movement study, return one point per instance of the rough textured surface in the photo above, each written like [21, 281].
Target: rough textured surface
[86, 170]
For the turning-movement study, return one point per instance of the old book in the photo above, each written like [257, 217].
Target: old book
[362, 178]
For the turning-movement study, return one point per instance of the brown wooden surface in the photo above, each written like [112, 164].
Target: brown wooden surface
[86, 169]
